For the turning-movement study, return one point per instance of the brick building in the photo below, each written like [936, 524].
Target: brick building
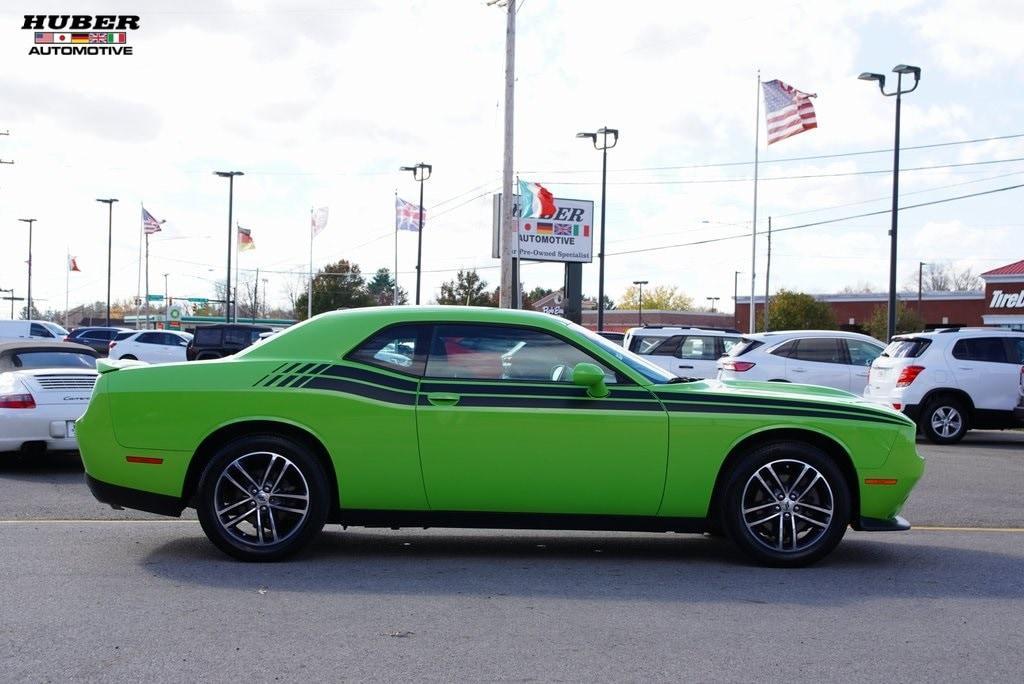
[1000, 303]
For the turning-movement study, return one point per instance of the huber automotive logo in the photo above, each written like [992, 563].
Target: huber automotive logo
[80, 34]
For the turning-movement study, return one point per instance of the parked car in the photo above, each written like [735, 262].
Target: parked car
[97, 337]
[616, 337]
[151, 346]
[950, 381]
[44, 389]
[223, 339]
[831, 358]
[28, 330]
[497, 418]
[687, 352]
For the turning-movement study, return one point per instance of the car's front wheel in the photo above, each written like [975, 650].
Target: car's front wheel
[944, 420]
[786, 504]
[262, 498]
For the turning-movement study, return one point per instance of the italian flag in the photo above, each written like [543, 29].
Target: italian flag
[536, 201]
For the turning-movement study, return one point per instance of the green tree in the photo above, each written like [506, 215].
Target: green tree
[658, 297]
[382, 289]
[336, 286]
[468, 289]
[797, 311]
[907, 321]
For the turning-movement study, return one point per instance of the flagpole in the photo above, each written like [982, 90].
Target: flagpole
[309, 295]
[67, 285]
[768, 274]
[394, 302]
[753, 227]
[138, 282]
[238, 257]
[147, 281]
[516, 291]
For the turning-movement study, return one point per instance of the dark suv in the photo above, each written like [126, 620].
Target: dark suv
[222, 339]
[97, 337]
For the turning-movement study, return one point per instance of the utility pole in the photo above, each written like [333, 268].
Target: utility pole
[255, 294]
[230, 175]
[509, 247]
[28, 309]
[920, 282]
[167, 301]
[110, 245]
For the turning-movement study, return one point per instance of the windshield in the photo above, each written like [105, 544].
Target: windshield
[653, 373]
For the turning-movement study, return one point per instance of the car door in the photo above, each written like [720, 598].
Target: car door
[983, 369]
[861, 355]
[697, 356]
[498, 434]
[819, 361]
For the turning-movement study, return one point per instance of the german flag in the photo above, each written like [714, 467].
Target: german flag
[79, 37]
[544, 229]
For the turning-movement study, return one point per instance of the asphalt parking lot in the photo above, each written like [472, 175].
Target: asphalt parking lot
[91, 593]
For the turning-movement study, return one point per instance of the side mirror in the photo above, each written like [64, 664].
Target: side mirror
[590, 376]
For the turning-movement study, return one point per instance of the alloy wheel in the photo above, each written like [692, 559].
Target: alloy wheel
[787, 505]
[946, 421]
[261, 498]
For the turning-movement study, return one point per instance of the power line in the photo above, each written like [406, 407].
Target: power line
[837, 155]
[819, 223]
[702, 181]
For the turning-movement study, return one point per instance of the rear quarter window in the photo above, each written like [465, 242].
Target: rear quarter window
[743, 346]
[207, 337]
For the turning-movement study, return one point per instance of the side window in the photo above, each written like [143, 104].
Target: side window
[39, 331]
[660, 346]
[393, 348]
[698, 348]
[150, 338]
[988, 349]
[862, 353]
[819, 350]
[785, 349]
[1016, 349]
[480, 352]
[236, 338]
[728, 343]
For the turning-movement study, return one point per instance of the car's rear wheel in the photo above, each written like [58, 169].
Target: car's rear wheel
[944, 420]
[786, 504]
[129, 357]
[262, 498]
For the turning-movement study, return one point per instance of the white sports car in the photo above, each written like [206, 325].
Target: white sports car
[44, 388]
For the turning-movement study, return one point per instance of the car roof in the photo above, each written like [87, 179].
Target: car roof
[783, 335]
[956, 333]
[654, 330]
[43, 345]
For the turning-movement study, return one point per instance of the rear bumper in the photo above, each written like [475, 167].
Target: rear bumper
[125, 497]
[45, 424]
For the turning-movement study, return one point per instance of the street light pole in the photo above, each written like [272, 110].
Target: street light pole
[640, 308]
[110, 245]
[230, 175]
[167, 301]
[920, 281]
[714, 301]
[28, 310]
[420, 172]
[899, 70]
[604, 146]
[736, 294]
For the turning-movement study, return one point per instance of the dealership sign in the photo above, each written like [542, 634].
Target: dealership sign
[566, 235]
[1002, 300]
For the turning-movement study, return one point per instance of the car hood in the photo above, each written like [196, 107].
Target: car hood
[744, 390]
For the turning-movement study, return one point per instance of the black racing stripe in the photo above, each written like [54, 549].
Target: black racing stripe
[306, 368]
[336, 371]
[270, 380]
[550, 403]
[778, 411]
[291, 368]
[360, 390]
[279, 368]
[320, 368]
[511, 389]
[257, 383]
[286, 380]
[766, 401]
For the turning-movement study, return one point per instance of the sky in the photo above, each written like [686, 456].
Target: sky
[319, 102]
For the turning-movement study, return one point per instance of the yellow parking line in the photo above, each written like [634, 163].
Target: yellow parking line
[939, 528]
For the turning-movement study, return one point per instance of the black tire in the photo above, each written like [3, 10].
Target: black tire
[262, 462]
[129, 357]
[944, 420]
[747, 500]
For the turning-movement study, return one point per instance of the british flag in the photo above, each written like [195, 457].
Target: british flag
[563, 229]
[407, 215]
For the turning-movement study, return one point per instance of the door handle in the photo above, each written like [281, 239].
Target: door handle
[443, 398]
[682, 366]
[963, 368]
[799, 370]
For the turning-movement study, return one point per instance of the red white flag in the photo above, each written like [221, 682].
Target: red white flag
[787, 110]
[150, 224]
[73, 264]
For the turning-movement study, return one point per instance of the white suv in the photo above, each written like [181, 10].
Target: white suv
[687, 352]
[952, 380]
[151, 346]
[833, 358]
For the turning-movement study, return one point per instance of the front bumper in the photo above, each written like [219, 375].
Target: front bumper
[117, 496]
[895, 524]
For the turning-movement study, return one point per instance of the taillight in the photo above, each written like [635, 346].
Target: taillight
[112, 345]
[908, 375]
[17, 401]
[738, 366]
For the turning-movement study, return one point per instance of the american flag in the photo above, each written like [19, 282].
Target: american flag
[149, 224]
[407, 215]
[788, 111]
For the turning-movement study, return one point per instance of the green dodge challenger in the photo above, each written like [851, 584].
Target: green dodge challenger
[467, 417]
